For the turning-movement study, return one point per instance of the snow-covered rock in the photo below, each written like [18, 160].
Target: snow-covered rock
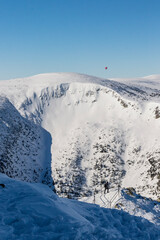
[24, 147]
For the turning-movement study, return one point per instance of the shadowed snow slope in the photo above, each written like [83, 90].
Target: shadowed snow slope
[30, 211]
[101, 129]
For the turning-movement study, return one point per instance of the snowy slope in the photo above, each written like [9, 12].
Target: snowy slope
[101, 129]
[137, 205]
[32, 211]
[129, 201]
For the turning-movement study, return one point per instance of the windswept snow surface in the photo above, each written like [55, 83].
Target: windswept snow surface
[30, 211]
[101, 129]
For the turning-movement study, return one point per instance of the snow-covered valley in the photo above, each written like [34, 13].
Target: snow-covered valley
[101, 129]
[76, 132]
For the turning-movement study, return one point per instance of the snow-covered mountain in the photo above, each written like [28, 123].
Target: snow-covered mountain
[101, 130]
[31, 211]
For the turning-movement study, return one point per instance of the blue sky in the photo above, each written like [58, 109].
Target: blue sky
[84, 36]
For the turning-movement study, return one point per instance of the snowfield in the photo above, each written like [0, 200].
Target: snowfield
[31, 211]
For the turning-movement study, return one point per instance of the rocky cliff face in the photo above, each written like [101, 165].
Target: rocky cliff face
[101, 130]
[24, 153]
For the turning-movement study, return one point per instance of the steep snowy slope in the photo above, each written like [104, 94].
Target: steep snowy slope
[24, 147]
[33, 212]
[101, 129]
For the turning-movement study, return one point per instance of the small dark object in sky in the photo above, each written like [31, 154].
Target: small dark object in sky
[2, 185]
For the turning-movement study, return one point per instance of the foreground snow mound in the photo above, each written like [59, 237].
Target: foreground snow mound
[24, 146]
[30, 211]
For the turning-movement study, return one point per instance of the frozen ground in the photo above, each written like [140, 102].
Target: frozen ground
[30, 211]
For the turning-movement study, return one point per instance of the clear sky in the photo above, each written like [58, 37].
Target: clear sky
[83, 36]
